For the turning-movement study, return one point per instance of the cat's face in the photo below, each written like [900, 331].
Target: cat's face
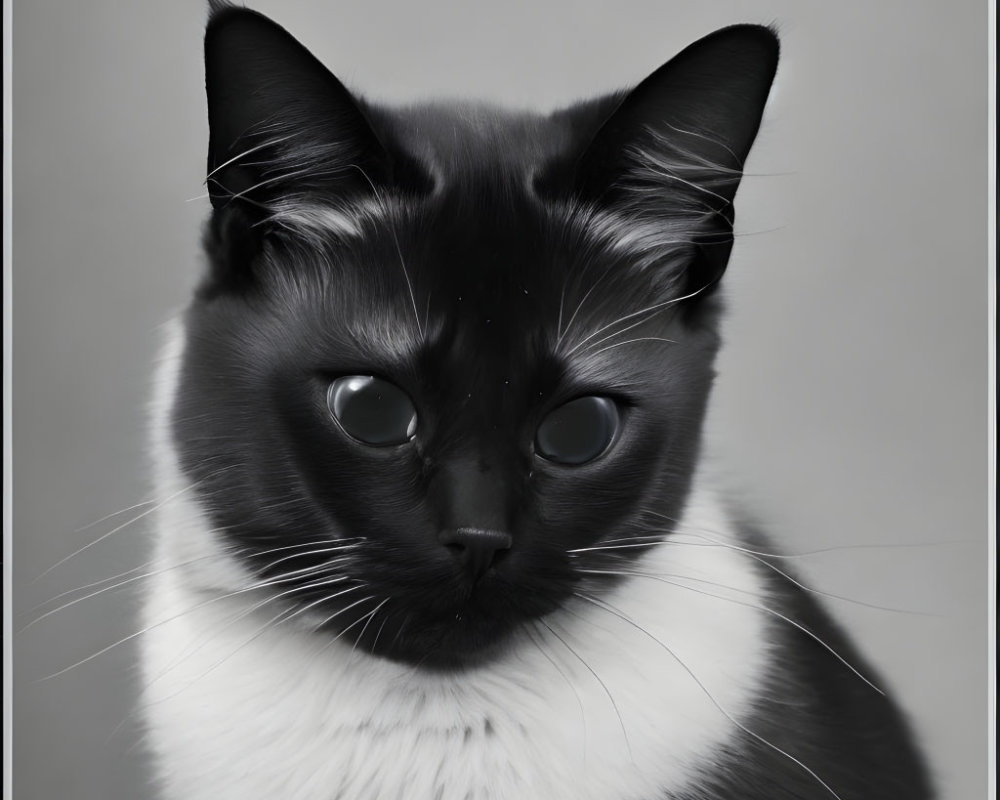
[446, 363]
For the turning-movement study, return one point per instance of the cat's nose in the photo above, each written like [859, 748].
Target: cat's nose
[475, 547]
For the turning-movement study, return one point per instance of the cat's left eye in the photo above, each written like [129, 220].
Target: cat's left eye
[578, 431]
[372, 410]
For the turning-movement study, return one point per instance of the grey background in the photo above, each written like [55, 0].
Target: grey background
[852, 403]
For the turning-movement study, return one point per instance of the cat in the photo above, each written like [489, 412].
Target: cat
[439, 526]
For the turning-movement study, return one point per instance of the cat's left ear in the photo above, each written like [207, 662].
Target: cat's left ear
[281, 125]
[671, 153]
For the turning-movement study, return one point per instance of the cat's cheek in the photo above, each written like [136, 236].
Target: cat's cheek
[605, 487]
[189, 538]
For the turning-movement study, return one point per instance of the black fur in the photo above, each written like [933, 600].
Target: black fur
[477, 265]
[817, 708]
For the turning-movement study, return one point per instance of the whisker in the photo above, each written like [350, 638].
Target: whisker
[370, 617]
[614, 705]
[762, 560]
[399, 252]
[284, 176]
[210, 601]
[155, 507]
[378, 633]
[342, 610]
[562, 300]
[91, 585]
[701, 159]
[755, 606]
[551, 659]
[661, 169]
[139, 633]
[635, 538]
[627, 546]
[260, 632]
[302, 544]
[306, 553]
[667, 542]
[132, 571]
[636, 324]
[615, 612]
[241, 195]
[655, 307]
[399, 630]
[261, 146]
[341, 633]
[704, 533]
[579, 306]
[116, 529]
[101, 591]
[106, 517]
[832, 595]
[633, 341]
[208, 636]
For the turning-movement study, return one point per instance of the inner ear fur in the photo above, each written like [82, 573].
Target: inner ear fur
[280, 123]
[673, 148]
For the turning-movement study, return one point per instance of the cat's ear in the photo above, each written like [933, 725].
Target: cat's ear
[672, 151]
[281, 125]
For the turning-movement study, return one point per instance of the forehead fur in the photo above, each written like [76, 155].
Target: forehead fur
[485, 236]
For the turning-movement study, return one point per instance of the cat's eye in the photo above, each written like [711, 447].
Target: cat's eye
[372, 410]
[578, 431]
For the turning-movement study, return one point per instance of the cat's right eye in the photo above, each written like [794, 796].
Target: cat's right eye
[578, 431]
[372, 410]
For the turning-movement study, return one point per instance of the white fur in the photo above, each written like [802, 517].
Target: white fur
[238, 709]
[645, 235]
[314, 220]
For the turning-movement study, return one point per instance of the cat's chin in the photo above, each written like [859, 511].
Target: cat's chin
[459, 644]
[448, 657]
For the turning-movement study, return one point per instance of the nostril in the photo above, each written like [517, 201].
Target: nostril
[476, 547]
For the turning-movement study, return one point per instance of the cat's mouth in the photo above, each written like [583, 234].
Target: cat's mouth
[462, 643]
[444, 628]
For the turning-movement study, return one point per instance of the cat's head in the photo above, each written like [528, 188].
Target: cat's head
[447, 360]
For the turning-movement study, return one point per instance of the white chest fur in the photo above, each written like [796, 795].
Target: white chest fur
[623, 700]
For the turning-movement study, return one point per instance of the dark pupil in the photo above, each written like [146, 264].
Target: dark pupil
[578, 431]
[372, 410]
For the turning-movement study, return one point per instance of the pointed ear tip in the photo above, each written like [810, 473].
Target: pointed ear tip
[764, 37]
[757, 46]
[767, 37]
[223, 15]
[220, 10]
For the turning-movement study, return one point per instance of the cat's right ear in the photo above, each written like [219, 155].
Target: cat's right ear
[668, 156]
[282, 127]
